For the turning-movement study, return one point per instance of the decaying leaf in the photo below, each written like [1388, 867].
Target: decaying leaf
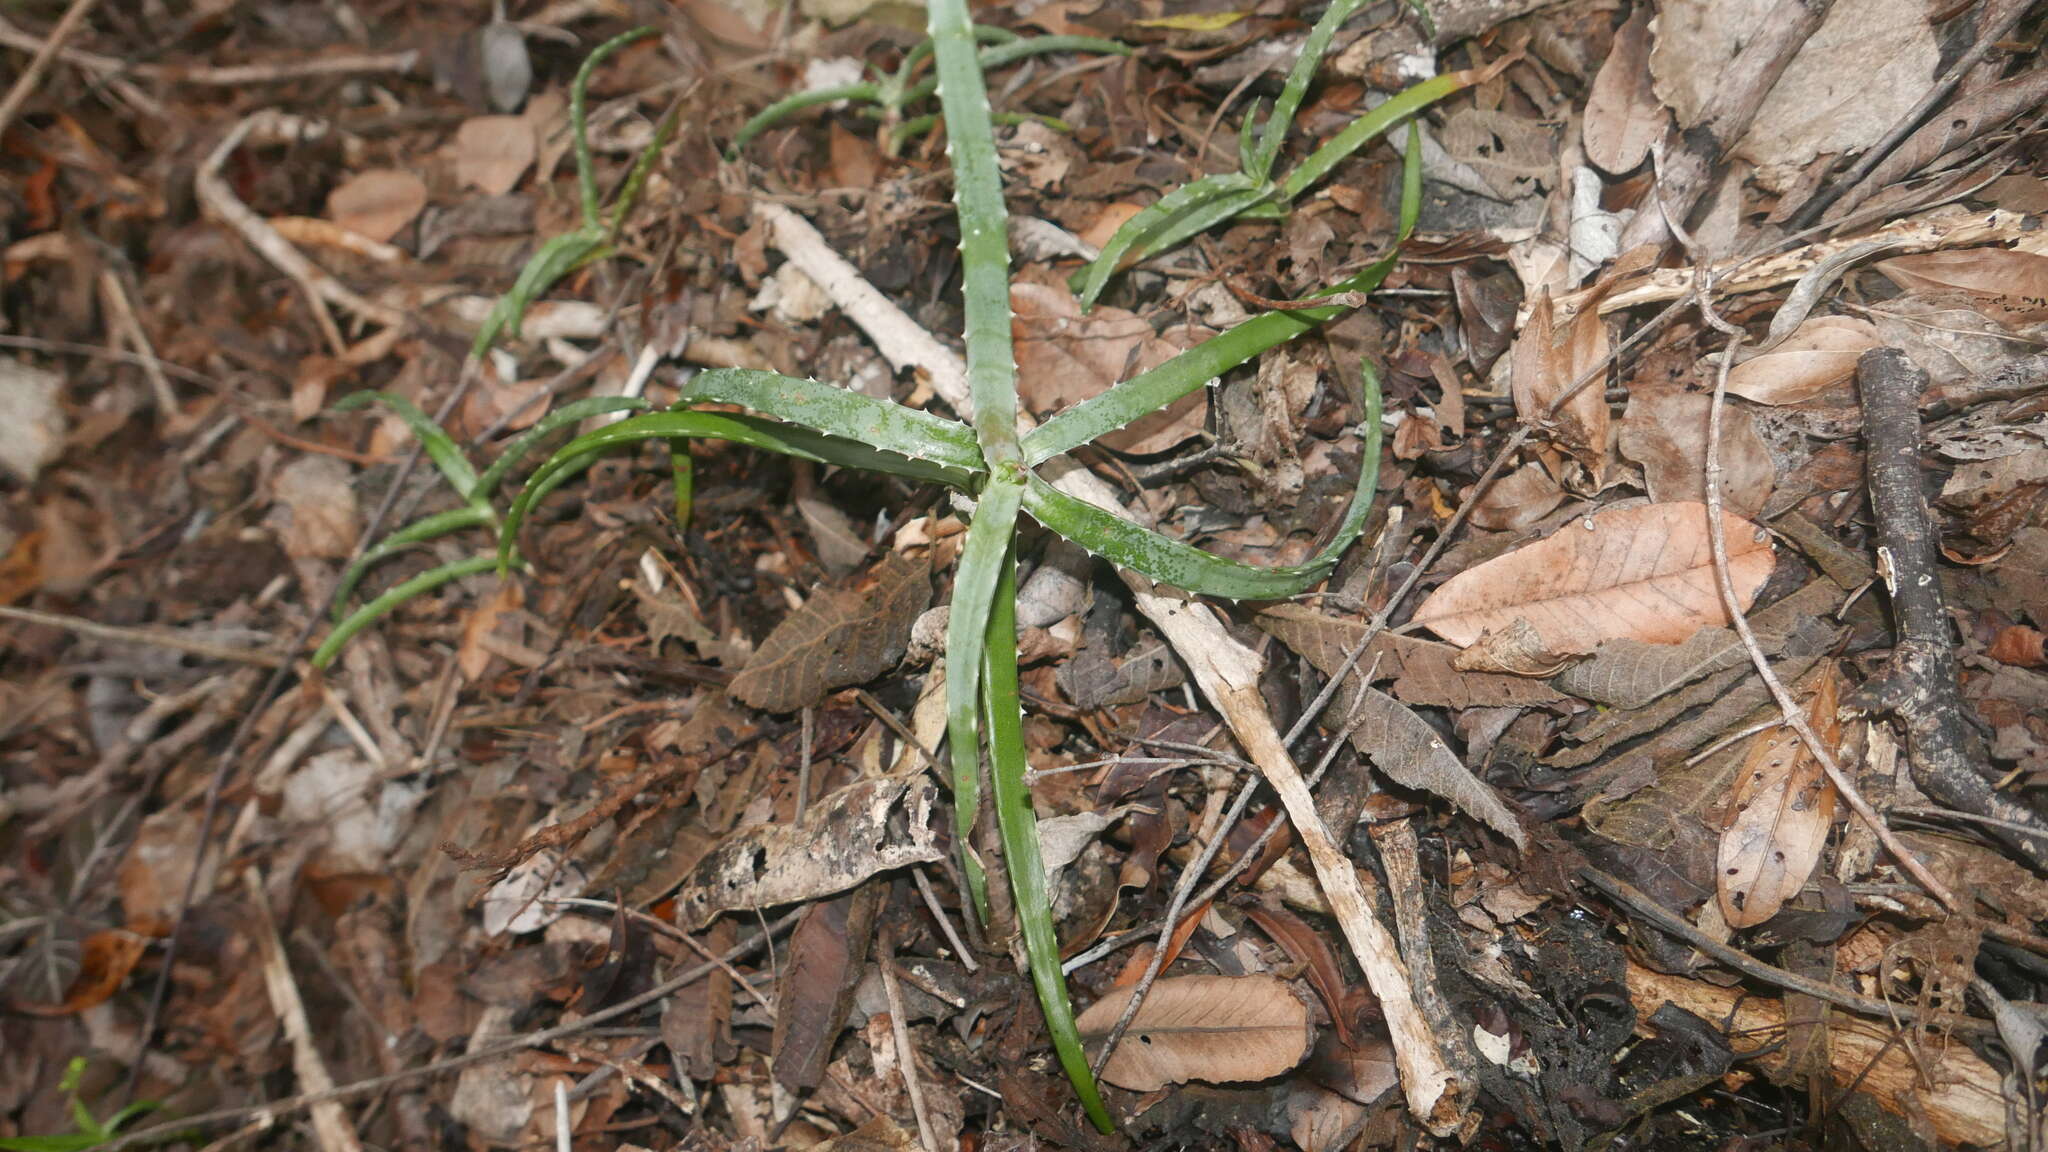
[1623, 117]
[1626, 673]
[1064, 357]
[814, 996]
[842, 840]
[839, 637]
[2008, 285]
[1216, 1029]
[880, 1134]
[1665, 431]
[1400, 743]
[1546, 362]
[1819, 355]
[1645, 572]
[1518, 499]
[491, 153]
[1516, 650]
[377, 203]
[1783, 805]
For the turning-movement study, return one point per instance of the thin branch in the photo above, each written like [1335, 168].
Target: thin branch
[1718, 538]
[279, 1108]
[148, 637]
[899, 1031]
[39, 64]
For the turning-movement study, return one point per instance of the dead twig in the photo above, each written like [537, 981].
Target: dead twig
[320, 288]
[224, 76]
[1849, 189]
[1670, 922]
[45, 54]
[1717, 536]
[1919, 684]
[148, 637]
[331, 1127]
[272, 1111]
[899, 1031]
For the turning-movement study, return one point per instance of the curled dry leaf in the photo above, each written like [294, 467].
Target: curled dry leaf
[840, 636]
[1064, 357]
[491, 153]
[1546, 362]
[1516, 650]
[377, 203]
[2008, 285]
[1645, 572]
[1518, 499]
[1819, 355]
[842, 840]
[1623, 117]
[1783, 805]
[1216, 1029]
[1665, 431]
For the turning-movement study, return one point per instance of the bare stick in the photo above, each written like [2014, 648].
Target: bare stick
[331, 1127]
[1919, 684]
[899, 1031]
[1846, 187]
[938, 911]
[1674, 924]
[226, 76]
[149, 637]
[1794, 715]
[46, 54]
[1739, 90]
[279, 1108]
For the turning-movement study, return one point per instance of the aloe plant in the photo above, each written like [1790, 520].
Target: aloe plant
[1252, 191]
[897, 92]
[985, 460]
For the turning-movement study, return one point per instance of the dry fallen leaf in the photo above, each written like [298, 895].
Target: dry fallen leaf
[1516, 650]
[1623, 117]
[840, 636]
[2008, 285]
[1820, 354]
[377, 203]
[491, 153]
[1783, 805]
[1546, 363]
[1665, 431]
[1518, 500]
[315, 508]
[1216, 1029]
[1064, 357]
[1645, 572]
[843, 839]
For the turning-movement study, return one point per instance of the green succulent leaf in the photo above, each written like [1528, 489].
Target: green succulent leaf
[567, 414]
[753, 431]
[1356, 134]
[1261, 157]
[865, 92]
[1148, 392]
[838, 412]
[419, 585]
[989, 536]
[1180, 213]
[1017, 823]
[448, 459]
[418, 532]
[1169, 561]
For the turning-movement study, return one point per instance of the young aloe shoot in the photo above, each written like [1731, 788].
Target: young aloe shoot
[596, 238]
[898, 92]
[1251, 191]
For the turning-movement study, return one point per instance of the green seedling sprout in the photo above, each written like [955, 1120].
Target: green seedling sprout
[89, 1132]
[597, 237]
[1252, 191]
[901, 90]
[990, 465]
